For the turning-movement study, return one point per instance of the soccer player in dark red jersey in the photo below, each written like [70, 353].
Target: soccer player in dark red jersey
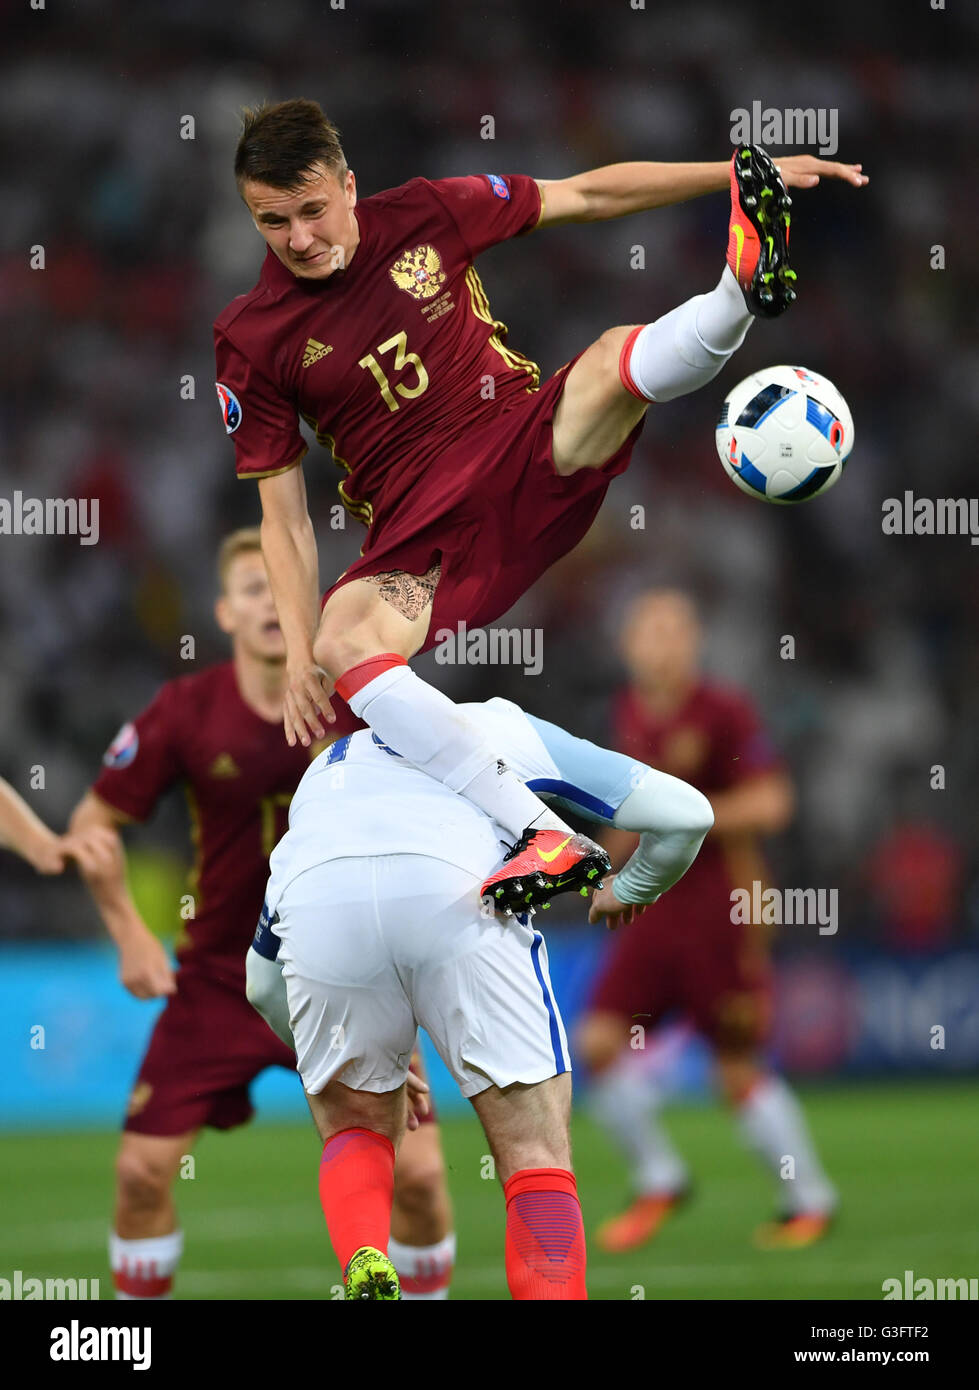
[686, 953]
[217, 732]
[370, 321]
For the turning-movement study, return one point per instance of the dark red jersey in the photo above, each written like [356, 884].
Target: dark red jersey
[391, 359]
[714, 741]
[239, 775]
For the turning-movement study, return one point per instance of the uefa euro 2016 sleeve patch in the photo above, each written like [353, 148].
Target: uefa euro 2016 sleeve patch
[123, 748]
[498, 186]
[230, 406]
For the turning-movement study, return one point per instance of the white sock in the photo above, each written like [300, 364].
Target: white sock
[427, 729]
[686, 348]
[144, 1269]
[625, 1103]
[772, 1123]
[425, 1271]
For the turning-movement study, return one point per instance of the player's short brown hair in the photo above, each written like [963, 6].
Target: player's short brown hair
[281, 141]
[245, 541]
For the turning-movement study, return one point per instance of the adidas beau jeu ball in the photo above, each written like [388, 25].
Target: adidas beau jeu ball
[784, 434]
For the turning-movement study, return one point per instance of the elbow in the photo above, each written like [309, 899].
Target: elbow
[270, 528]
[703, 815]
[666, 805]
[694, 814]
[295, 526]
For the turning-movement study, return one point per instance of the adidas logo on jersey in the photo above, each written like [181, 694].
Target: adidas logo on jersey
[313, 351]
[224, 765]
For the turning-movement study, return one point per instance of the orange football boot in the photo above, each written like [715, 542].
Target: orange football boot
[793, 1232]
[639, 1222]
[758, 237]
[542, 864]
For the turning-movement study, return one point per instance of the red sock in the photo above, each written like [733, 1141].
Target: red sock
[364, 672]
[545, 1238]
[356, 1191]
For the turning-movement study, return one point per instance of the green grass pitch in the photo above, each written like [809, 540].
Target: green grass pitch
[903, 1157]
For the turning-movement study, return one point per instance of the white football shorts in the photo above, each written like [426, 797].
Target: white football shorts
[373, 947]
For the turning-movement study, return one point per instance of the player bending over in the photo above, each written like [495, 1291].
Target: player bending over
[372, 945]
[370, 321]
[688, 955]
[218, 733]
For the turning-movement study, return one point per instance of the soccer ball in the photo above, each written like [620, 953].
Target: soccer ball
[784, 435]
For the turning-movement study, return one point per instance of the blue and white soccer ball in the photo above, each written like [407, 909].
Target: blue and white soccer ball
[784, 435]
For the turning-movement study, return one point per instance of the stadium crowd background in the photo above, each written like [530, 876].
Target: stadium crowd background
[145, 241]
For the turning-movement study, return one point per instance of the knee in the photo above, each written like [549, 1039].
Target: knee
[605, 361]
[609, 350]
[599, 1040]
[419, 1188]
[142, 1185]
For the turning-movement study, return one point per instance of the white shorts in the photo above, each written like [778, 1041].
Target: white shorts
[373, 947]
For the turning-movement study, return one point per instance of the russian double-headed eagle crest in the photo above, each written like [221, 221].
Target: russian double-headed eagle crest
[419, 272]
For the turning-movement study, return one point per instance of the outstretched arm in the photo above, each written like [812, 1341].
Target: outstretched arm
[24, 833]
[615, 190]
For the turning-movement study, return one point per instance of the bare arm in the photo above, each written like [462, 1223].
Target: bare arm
[27, 835]
[97, 847]
[615, 190]
[764, 805]
[289, 548]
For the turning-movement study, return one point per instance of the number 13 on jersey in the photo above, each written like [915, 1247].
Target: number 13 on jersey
[402, 359]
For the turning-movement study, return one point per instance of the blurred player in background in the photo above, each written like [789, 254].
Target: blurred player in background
[371, 322]
[219, 733]
[686, 954]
